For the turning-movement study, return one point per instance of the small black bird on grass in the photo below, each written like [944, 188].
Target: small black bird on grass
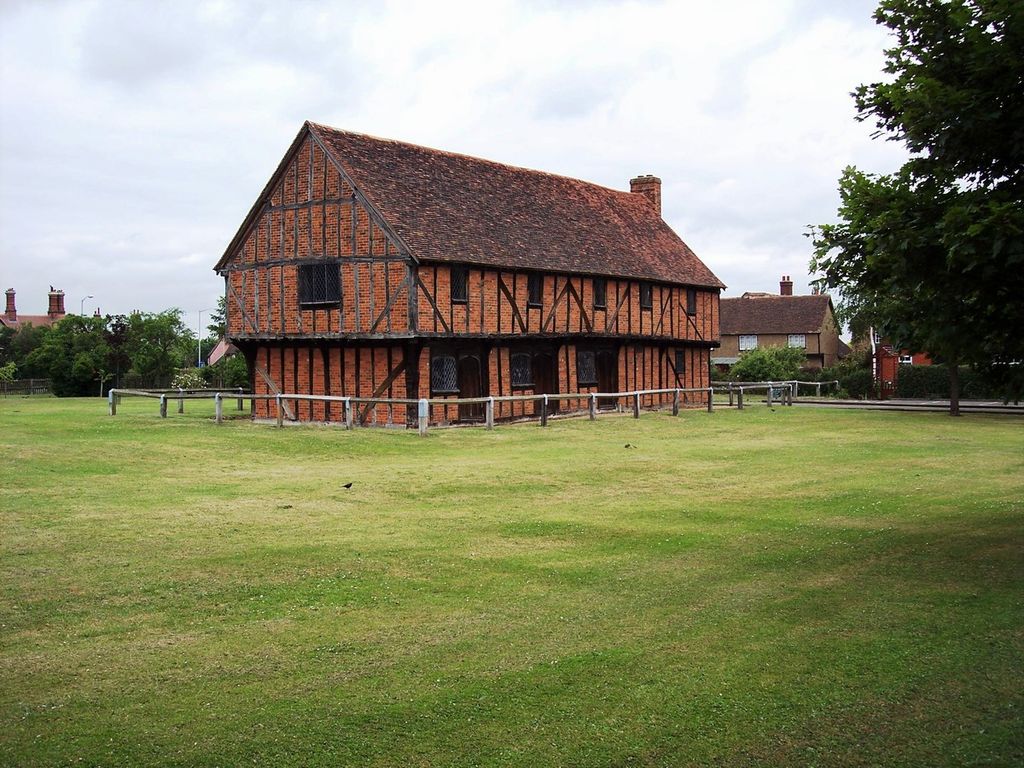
[347, 485]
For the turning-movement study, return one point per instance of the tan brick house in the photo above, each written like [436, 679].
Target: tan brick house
[375, 268]
[766, 320]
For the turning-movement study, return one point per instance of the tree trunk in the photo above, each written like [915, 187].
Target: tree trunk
[954, 388]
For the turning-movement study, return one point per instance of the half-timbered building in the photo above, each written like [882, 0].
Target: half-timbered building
[376, 268]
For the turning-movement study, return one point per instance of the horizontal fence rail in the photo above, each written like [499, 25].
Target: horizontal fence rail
[426, 409]
[25, 387]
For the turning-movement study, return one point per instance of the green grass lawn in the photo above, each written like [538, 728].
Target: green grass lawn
[788, 587]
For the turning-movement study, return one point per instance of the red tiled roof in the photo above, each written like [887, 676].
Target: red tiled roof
[774, 314]
[35, 320]
[455, 208]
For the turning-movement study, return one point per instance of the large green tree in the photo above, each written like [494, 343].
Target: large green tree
[75, 356]
[932, 256]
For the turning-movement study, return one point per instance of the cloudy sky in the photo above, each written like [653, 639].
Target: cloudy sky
[134, 136]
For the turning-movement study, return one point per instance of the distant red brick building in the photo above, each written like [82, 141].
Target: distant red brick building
[55, 311]
[886, 362]
[375, 268]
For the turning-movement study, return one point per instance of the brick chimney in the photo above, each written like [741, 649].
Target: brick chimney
[648, 186]
[56, 304]
[12, 311]
[785, 286]
[96, 313]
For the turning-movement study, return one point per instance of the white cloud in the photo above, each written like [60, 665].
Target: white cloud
[135, 136]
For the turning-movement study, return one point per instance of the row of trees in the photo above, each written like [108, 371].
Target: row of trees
[83, 355]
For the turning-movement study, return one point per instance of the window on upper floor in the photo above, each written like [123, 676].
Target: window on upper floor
[600, 293]
[748, 342]
[691, 301]
[797, 340]
[444, 379]
[460, 285]
[906, 359]
[319, 284]
[534, 289]
[646, 296]
[586, 368]
[522, 370]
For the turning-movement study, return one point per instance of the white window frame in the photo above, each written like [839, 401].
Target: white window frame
[801, 342]
[745, 342]
[906, 360]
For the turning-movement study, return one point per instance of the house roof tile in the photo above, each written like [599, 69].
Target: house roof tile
[774, 314]
[454, 208]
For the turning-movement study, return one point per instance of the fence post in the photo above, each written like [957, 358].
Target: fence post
[163, 406]
[424, 416]
[636, 405]
[739, 399]
[218, 408]
[348, 413]
[791, 393]
[675, 403]
[592, 406]
[711, 399]
[280, 410]
[181, 401]
[112, 403]
[768, 394]
[544, 412]
[730, 393]
[796, 392]
[239, 399]
[817, 389]
[490, 412]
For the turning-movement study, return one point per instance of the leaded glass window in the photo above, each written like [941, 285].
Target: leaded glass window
[522, 371]
[680, 362]
[319, 283]
[460, 285]
[586, 368]
[443, 375]
[600, 293]
[691, 301]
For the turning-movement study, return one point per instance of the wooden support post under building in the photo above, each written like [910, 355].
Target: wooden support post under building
[636, 405]
[280, 410]
[163, 406]
[424, 416]
[218, 408]
[592, 406]
[675, 403]
[490, 412]
[181, 401]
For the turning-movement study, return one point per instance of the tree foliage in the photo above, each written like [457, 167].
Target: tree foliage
[933, 255]
[768, 364]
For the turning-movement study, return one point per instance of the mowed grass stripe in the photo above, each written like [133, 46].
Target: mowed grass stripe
[764, 587]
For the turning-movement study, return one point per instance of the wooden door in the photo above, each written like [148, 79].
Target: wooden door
[470, 386]
[607, 363]
[545, 380]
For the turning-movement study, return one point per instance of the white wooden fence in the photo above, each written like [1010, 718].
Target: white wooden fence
[778, 392]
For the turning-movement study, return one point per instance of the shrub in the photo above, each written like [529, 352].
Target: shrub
[932, 381]
[858, 383]
[768, 364]
[188, 378]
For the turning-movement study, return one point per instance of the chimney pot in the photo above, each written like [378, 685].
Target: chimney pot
[650, 187]
[12, 310]
[56, 308]
[785, 286]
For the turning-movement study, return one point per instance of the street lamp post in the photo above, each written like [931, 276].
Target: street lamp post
[199, 338]
[81, 305]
